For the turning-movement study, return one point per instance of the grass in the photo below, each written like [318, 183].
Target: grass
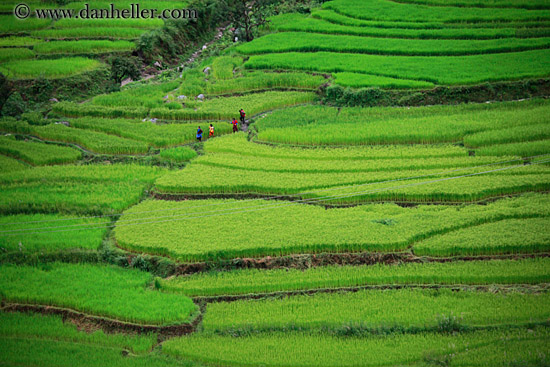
[239, 144]
[91, 140]
[522, 4]
[89, 32]
[393, 11]
[70, 109]
[161, 135]
[466, 69]
[260, 81]
[10, 24]
[506, 236]
[294, 22]
[53, 353]
[87, 189]
[83, 47]
[49, 69]
[222, 67]
[508, 135]
[18, 326]
[407, 310]
[319, 125]
[521, 149]
[8, 165]
[306, 349]
[178, 154]
[10, 54]
[356, 80]
[228, 107]
[18, 41]
[38, 153]
[34, 237]
[148, 95]
[312, 42]
[122, 294]
[302, 228]
[531, 271]
[144, 24]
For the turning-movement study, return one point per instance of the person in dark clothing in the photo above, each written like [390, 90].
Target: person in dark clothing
[199, 134]
[243, 115]
[235, 125]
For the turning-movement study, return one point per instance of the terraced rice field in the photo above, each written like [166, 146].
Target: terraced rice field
[319, 234]
[60, 48]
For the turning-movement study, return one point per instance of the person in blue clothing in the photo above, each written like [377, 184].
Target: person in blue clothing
[199, 134]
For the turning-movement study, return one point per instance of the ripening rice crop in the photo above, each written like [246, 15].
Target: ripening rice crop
[222, 67]
[393, 11]
[312, 42]
[144, 24]
[318, 125]
[371, 310]
[38, 153]
[10, 24]
[10, 165]
[530, 271]
[15, 327]
[299, 228]
[42, 234]
[161, 135]
[506, 236]
[508, 135]
[94, 141]
[11, 53]
[15, 41]
[522, 4]
[178, 154]
[295, 348]
[299, 23]
[259, 81]
[70, 109]
[228, 107]
[122, 294]
[527, 149]
[465, 69]
[83, 47]
[89, 32]
[148, 95]
[89, 189]
[49, 69]
[356, 80]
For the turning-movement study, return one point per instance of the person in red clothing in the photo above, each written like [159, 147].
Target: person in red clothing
[211, 131]
[235, 125]
[243, 115]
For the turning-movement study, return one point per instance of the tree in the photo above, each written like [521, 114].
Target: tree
[6, 89]
[248, 15]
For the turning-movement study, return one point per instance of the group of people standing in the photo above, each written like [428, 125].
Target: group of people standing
[235, 124]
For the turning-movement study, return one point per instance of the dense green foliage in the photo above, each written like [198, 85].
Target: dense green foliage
[312, 42]
[35, 327]
[82, 47]
[356, 80]
[122, 294]
[43, 235]
[58, 68]
[178, 154]
[507, 236]
[10, 165]
[306, 349]
[404, 309]
[299, 228]
[9, 54]
[38, 153]
[246, 281]
[466, 69]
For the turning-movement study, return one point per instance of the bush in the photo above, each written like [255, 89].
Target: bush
[124, 67]
[14, 105]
